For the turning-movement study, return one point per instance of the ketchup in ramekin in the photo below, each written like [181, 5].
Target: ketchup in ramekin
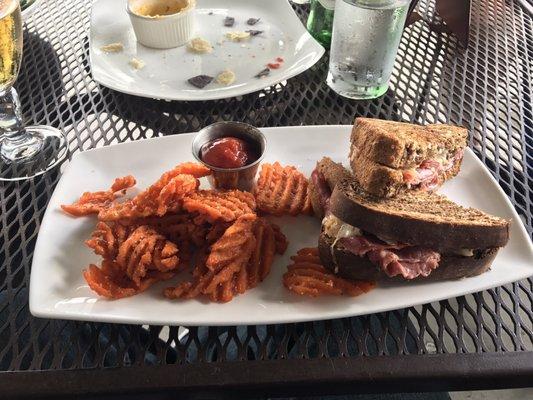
[228, 152]
[233, 151]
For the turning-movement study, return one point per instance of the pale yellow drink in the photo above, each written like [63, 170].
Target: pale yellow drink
[10, 42]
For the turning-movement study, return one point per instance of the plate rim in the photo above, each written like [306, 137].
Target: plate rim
[45, 312]
[102, 79]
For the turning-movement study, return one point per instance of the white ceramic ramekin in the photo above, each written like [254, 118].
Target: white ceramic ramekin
[163, 31]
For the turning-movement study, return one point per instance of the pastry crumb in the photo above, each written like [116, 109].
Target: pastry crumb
[112, 47]
[137, 63]
[200, 45]
[226, 77]
[237, 36]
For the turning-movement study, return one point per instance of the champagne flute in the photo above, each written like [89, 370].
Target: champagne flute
[25, 151]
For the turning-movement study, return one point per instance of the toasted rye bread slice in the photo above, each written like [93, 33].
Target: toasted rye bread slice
[384, 181]
[418, 218]
[402, 145]
[350, 266]
[333, 173]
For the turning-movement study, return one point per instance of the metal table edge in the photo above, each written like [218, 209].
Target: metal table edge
[373, 374]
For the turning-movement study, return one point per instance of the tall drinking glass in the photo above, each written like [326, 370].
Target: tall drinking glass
[366, 36]
[29, 151]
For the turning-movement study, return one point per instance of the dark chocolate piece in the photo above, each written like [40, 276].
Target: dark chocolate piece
[253, 32]
[200, 81]
[252, 21]
[263, 73]
[229, 22]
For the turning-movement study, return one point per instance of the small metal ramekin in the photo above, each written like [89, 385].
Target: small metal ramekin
[242, 178]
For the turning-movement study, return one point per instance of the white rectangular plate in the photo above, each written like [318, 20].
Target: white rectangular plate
[166, 72]
[57, 288]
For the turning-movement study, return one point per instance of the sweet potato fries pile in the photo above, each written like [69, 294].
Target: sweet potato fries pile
[172, 225]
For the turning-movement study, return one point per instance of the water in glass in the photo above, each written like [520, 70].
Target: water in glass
[366, 36]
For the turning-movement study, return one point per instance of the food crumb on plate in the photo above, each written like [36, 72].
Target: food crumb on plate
[137, 63]
[200, 45]
[226, 77]
[116, 47]
[237, 36]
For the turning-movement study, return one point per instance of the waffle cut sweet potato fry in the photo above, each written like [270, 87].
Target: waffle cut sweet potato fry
[307, 277]
[282, 190]
[168, 184]
[110, 281]
[163, 196]
[227, 248]
[262, 257]
[216, 270]
[181, 229]
[158, 199]
[94, 202]
[239, 260]
[177, 228]
[214, 206]
[146, 250]
[107, 238]
[201, 276]
[229, 257]
[131, 256]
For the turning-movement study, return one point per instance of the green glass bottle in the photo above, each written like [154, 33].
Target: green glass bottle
[320, 21]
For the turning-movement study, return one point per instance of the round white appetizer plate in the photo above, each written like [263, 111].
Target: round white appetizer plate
[58, 290]
[166, 72]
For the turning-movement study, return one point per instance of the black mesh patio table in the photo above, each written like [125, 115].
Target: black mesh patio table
[484, 340]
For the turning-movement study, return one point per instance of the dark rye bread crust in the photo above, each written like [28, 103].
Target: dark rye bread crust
[384, 181]
[333, 173]
[421, 218]
[451, 266]
[402, 145]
